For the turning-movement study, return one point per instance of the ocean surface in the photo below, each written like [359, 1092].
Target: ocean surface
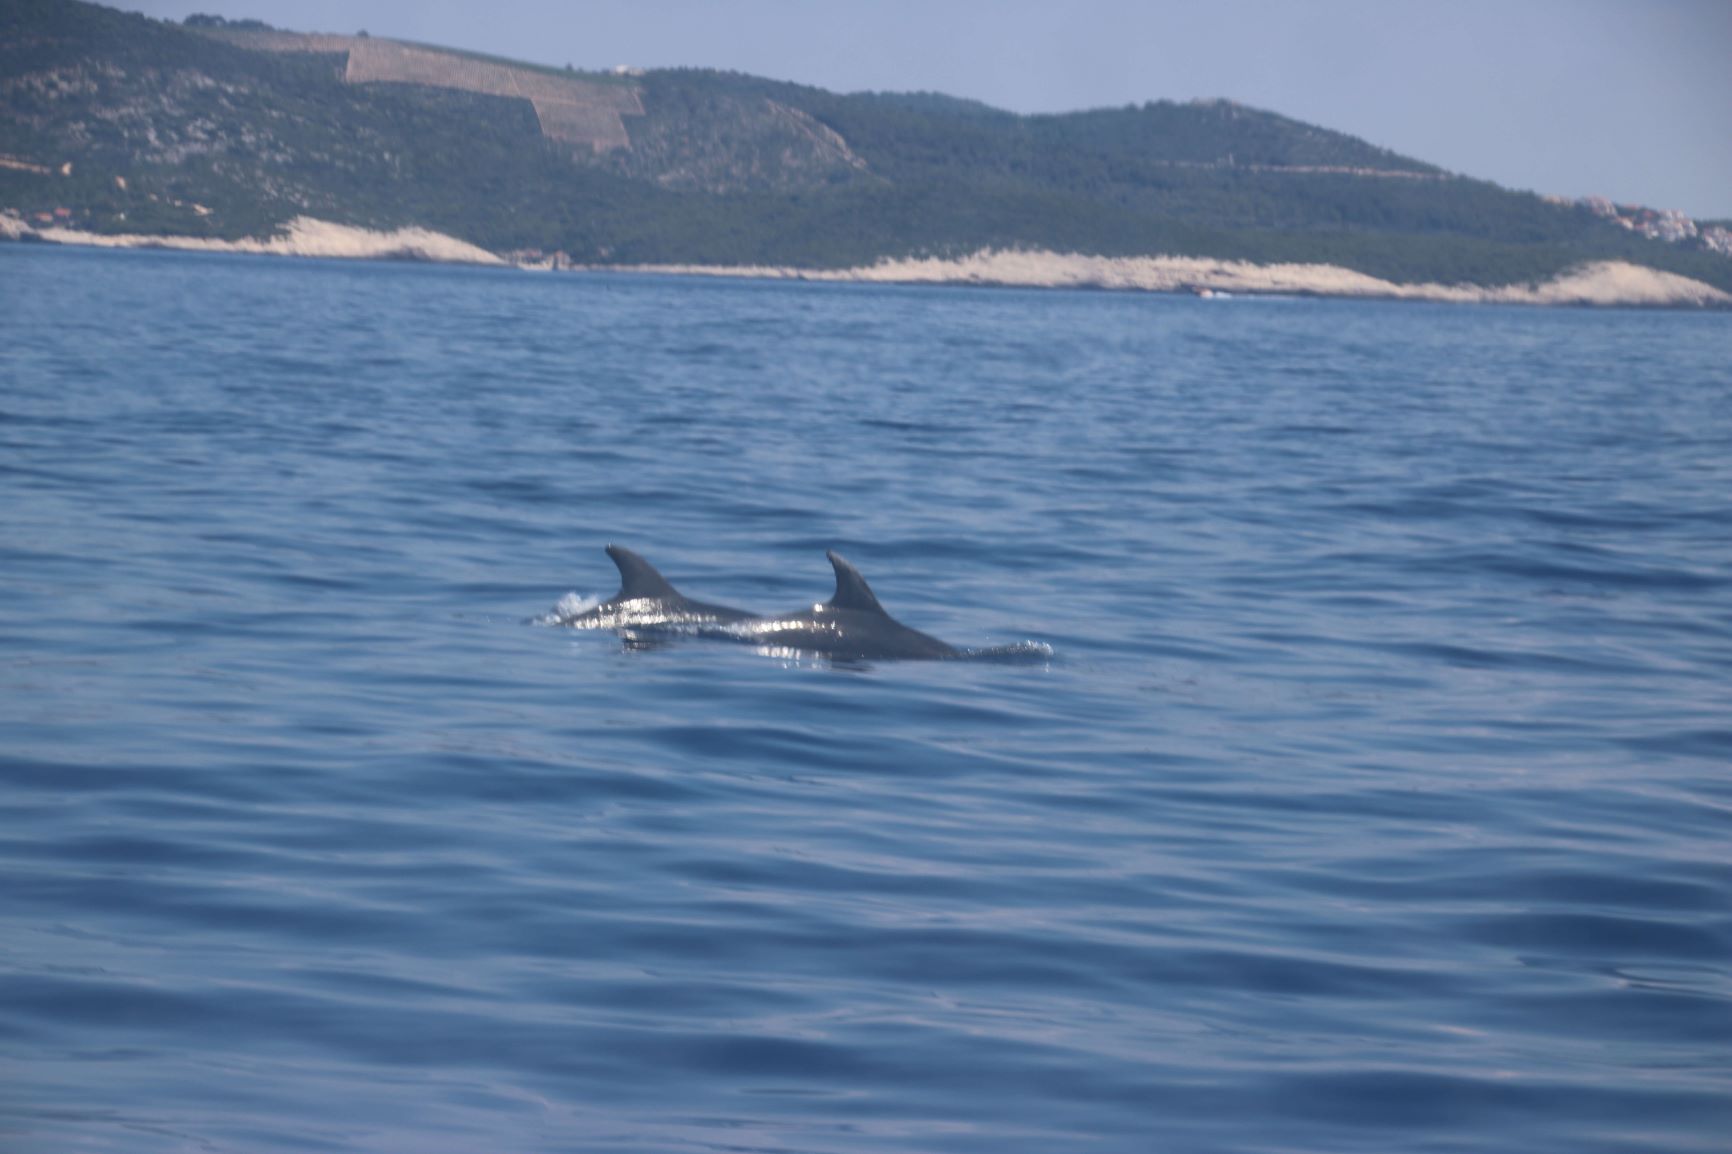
[1376, 795]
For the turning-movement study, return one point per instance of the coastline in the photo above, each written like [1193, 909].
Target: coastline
[1601, 283]
[303, 236]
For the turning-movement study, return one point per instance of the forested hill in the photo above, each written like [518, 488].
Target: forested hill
[113, 122]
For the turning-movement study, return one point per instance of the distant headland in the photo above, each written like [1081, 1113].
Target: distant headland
[120, 130]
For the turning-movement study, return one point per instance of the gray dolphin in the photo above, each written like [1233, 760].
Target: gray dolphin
[646, 600]
[849, 626]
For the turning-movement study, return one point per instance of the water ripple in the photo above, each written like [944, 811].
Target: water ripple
[1359, 784]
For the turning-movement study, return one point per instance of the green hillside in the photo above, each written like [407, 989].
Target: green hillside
[134, 125]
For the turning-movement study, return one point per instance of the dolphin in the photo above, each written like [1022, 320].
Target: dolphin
[849, 626]
[646, 600]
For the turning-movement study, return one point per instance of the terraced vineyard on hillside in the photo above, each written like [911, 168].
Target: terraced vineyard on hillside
[570, 109]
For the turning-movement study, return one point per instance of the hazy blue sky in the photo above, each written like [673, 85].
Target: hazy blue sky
[1627, 98]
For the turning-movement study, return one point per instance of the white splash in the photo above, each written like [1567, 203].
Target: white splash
[1015, 653]
[566, 608]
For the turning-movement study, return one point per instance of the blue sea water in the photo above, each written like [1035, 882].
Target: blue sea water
[1377, 795]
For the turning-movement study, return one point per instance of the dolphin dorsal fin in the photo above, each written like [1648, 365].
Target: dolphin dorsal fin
[637, 577]
[852, 592]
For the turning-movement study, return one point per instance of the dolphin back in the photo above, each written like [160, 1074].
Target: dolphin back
[852, 625]
[648, 601]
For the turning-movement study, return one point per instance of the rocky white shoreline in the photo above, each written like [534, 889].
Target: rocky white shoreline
[1604, 283]
[303, 236]
[1599, 283]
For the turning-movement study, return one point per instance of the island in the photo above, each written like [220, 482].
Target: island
[121, 130]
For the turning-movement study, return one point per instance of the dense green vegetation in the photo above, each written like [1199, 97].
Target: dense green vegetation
[211, 138]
